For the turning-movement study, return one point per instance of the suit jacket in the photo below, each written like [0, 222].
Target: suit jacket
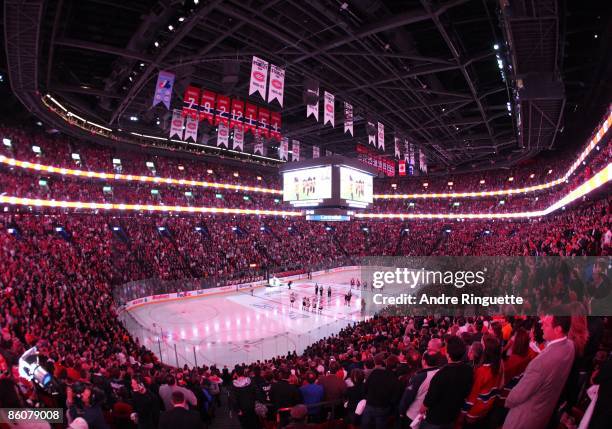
[532, 401]
[179, 417]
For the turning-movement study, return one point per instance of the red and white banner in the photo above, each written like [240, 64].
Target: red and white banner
[381, 136]
[237, 114]
[259, 77]
[315, 152]
[223, 110]
[263, 122]
[401, 165]
[397, 147]
[191, 129]
[259, 145]
[348, 118]
[190, 102]
[313, 109]
[329, 109]
[176, 126]
[277, 84]
[238, 139]
[283, 149]
[379, 161]
[223, 135]
[275, 125]
[250, 118]
[207, 107]
[295, 150]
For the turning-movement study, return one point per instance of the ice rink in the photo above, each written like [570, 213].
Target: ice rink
[237, 327]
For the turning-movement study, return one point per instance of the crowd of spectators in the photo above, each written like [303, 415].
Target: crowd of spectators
[59, 268]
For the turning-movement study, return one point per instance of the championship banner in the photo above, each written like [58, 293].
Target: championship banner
[371, 138]
[223, 110]
[295, 150]
[163, 89]
[315, 152]
[207, 107]
[250, 118]
[328, 111]
[190, 102]
[176, 126]
[191, 129]
[275, 125]
[422, 161]
[259, 145]
[263, 120]
[259, 76]
[381, 136]
[401, 166]
[237, 114]
[222, 135]
[328, 153]
[283, 149]
[238, 139]
[313, 109]
[348, 118]
[277, 84]
[397, 148]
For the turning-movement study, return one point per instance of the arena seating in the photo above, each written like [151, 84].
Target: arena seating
[59, 267]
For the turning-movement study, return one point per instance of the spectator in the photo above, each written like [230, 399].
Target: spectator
[382, 390]
[312, 394]
[179, 416]
[243, 396]
[533, 400]
[418, 386]
[448, 388]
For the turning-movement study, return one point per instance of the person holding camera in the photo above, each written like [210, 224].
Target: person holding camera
[84, 401]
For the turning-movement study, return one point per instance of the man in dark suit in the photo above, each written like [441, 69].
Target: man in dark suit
[180, 416]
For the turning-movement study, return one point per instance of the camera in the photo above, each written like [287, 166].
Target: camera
[30, 369]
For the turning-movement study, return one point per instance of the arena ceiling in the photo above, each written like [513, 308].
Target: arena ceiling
[428, 70]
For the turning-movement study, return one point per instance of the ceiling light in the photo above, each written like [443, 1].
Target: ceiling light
[156, 44]
[171, 27]
[496, 47]
[133, 118]
[181, 19]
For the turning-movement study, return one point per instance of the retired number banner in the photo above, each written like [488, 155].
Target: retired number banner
[190, 102]
[207, 107]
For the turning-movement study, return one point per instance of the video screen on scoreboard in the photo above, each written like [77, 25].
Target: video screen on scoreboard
[355, 185]
[307, 184]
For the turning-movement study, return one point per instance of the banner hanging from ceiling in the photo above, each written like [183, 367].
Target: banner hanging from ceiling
[263, 122]
[275, 125]
[250, 118]
[381, 136]
[176, 126]
[313, 109]
[190, 102]
[237, 114]
[329, 113]
[223, 110]
[396, 141]
[191, 129]
[348, 118]
[222, 135]
[238, 139]
[259, 77]
[163, 89]
[277, 84]
[295, 150]
[283, 149]
[315, 152]
[207, 107]
[259, 145]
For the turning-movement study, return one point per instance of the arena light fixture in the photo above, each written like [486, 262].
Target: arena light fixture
[596, 181]
[131, 178]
